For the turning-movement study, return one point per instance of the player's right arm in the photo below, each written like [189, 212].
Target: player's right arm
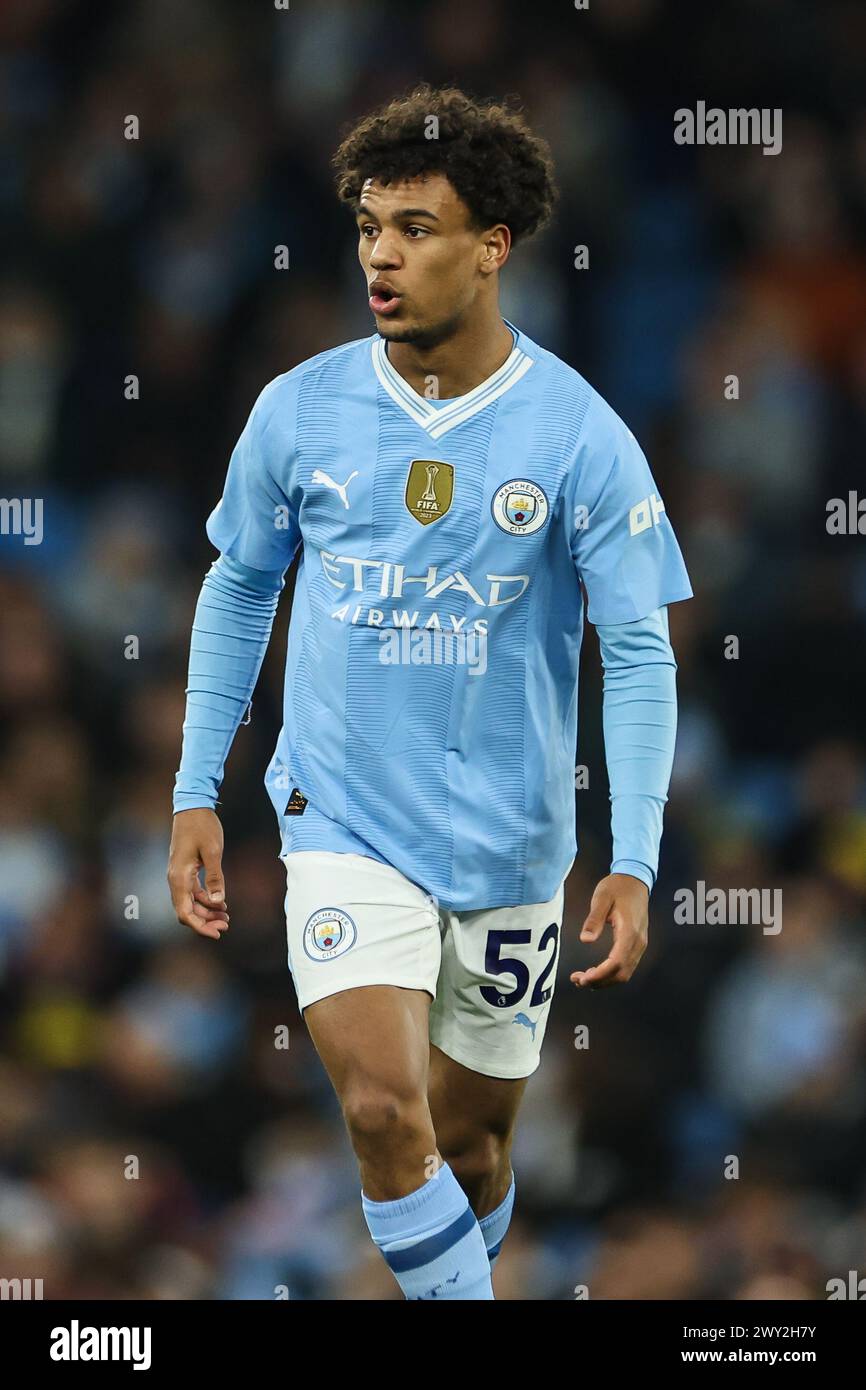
[256, 530]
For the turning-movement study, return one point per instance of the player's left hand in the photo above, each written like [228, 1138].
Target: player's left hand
[624, 902]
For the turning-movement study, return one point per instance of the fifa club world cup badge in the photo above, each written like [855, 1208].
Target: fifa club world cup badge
[429, 489]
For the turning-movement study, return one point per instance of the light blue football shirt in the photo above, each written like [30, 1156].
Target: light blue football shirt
[450, 758]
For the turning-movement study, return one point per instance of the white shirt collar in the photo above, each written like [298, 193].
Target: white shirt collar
[437, 420]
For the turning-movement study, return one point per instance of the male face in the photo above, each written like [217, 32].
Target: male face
[422, 257]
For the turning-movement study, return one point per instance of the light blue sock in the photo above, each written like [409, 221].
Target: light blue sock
[432, 1241]
[494, 1226]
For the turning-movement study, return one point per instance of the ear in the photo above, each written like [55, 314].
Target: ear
[496, 245]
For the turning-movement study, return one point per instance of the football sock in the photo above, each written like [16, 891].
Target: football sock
[494, 1226]
[432, 1241]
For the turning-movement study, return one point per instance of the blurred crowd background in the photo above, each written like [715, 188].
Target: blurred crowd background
[124, 1037]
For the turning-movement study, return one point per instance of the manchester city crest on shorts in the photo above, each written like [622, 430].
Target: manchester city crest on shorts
[520, 507]
[329, 933]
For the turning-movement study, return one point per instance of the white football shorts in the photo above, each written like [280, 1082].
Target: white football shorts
[352, 921]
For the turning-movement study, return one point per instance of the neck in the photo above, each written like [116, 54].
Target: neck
[461, 362]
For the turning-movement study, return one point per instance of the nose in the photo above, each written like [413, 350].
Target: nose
[385, 254]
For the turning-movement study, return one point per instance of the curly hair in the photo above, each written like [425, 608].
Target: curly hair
[500, 170]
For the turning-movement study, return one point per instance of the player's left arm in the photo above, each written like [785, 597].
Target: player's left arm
[640, 720]
[625, 551]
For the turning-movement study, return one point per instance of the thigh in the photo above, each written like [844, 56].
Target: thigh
[373, 1039]
[364, 950]
[495, 986]
[465, 1104]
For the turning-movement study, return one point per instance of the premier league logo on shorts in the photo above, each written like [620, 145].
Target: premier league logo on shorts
[329, 933]
[520, 507]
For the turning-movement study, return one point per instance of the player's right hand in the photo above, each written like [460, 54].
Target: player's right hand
[197, 843]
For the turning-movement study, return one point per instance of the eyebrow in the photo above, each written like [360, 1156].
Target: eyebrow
[365, 211]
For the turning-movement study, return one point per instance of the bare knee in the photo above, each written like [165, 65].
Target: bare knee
[380, 1116]
[480, 1160]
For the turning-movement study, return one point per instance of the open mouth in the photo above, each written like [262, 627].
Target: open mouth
[383, 299]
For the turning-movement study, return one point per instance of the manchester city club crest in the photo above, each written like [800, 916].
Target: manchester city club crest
[520, 507]
[329, 933]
